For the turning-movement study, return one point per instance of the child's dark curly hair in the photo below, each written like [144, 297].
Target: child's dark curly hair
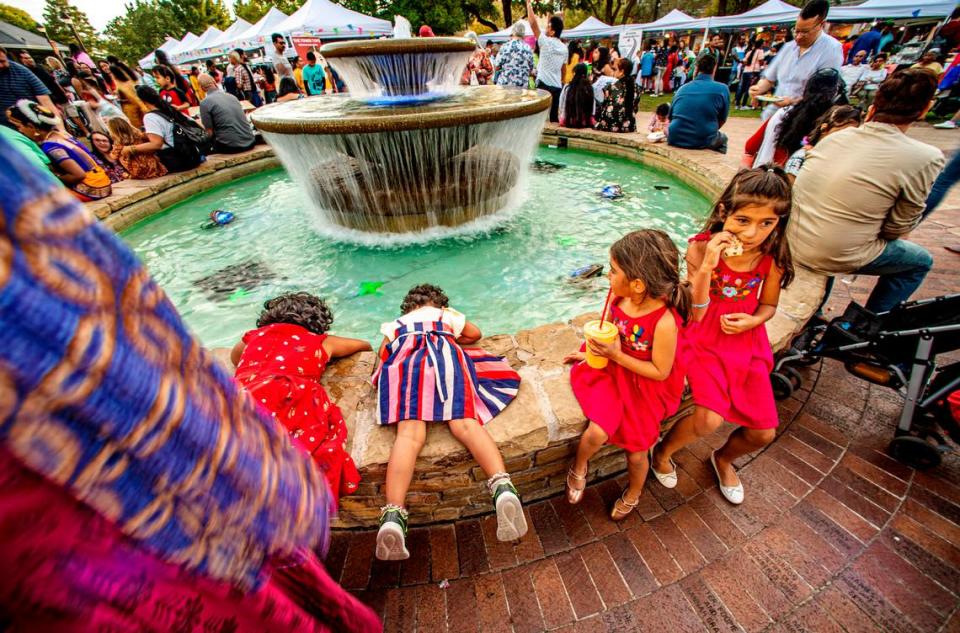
[297, 308]
[424, 294]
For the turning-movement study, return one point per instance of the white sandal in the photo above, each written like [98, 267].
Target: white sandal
[667, 480]
[733, 494]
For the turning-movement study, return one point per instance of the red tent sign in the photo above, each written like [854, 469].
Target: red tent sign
[304, 44]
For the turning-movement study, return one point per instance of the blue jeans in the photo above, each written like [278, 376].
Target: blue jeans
[947, 178]
[901, 267]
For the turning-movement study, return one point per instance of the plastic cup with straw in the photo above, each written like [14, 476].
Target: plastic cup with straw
[602, 331]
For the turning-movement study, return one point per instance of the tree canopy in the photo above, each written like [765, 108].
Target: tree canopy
[143, 27]
[58, 29]
[18, 17]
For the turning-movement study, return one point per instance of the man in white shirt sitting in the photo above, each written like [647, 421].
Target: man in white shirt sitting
[853, 72]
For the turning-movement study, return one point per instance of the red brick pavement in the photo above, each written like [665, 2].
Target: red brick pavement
[834, 534]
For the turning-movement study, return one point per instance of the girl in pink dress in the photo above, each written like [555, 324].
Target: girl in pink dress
[643, 381]
[737, 265]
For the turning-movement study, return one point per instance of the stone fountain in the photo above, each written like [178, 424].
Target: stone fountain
[407, 148]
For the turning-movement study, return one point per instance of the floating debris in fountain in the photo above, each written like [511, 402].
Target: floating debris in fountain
[612, 192]
[586, 272]
[661, 187]
[235, 282]
[218, 217]
[370, 288]
[547, 166]
[566, 240]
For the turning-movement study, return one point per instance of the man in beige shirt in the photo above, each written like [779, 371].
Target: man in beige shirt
[862, 190]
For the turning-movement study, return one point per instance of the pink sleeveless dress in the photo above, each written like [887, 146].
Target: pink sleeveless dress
[730, 373]
[627, 406]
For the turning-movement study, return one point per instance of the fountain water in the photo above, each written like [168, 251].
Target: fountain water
[408, 148]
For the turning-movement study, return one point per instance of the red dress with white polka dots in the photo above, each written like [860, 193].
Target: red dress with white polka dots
[281, 367]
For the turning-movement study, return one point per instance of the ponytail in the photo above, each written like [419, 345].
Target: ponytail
[681, 300]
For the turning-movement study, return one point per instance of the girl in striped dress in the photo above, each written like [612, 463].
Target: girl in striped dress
[426, 376]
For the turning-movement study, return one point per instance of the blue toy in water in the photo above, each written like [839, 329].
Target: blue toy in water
[219, 217]
[586, 272]
[612, 192]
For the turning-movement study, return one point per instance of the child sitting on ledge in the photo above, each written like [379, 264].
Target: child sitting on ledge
[426, 376]
[280, 364]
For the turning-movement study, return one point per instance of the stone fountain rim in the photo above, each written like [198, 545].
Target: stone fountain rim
[363, 48]
[406, 119]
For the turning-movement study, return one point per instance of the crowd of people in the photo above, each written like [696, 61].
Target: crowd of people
[93, 124]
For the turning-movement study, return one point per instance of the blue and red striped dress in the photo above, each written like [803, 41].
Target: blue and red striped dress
[425, 375]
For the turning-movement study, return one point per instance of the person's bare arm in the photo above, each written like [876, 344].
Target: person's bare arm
[71, 172]
[470, 334]
[47, 103]
[154, 144]
[762, 87]
[664, 351]
[769, 298]
[702, 258]
[340, 346]
[532, 19]
[237, 352]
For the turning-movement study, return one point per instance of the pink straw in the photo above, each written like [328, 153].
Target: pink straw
[606, 304]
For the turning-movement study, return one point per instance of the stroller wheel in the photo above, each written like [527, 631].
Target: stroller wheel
[782, 386]
[796, 380]
[915, 452]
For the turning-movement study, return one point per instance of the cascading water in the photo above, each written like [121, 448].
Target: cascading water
[408, 148]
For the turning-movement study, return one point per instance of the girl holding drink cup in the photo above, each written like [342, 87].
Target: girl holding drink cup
[629, 377]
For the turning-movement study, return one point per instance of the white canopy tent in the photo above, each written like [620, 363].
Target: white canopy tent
[892, 10]
[166, 47]
[185, 45]
[591, 27]
[631, 35]
[206, 38]
[232, 34]
[769, 13]
[327, 20]
[259, 32]
[504, 34]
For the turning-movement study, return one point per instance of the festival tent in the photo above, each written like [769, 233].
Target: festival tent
[769, 13]
[185, 45]
[591, 27]
[631, 35]
[207, 38]
[166, 47]
[260, 32]
[504, 34]
[892, 10]
[224, 43]
[327, 20]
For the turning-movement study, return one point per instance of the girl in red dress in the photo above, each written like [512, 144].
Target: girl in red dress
[280, 364]
[643, 381]
[737, 265]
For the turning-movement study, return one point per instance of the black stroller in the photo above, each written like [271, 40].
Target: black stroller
[896, 349]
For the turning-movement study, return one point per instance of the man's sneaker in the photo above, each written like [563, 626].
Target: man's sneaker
[946, 125]
[511, 524]
[391, 539]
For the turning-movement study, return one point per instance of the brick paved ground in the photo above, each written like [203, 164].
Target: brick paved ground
[833, 536]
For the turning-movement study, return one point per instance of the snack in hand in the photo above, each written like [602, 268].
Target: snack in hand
[734, 249]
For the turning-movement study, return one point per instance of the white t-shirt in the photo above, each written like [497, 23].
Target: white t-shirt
[158, 124]
[553, 55]
[427, 314]
[851, 74]
[873, 78]
[281, 65]
[602, 82]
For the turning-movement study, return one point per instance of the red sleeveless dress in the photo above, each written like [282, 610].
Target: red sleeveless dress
[281, 367]
[730, 373]
[627, 406]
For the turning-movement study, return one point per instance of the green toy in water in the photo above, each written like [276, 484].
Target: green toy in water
[369, 288]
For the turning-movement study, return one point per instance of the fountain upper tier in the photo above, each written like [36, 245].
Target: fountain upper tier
[401, 70]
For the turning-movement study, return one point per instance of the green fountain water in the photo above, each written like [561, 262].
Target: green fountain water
[504, 277]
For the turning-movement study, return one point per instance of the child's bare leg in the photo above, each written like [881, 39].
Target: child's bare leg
[511, 523]
[472, 435]
[701, 423]
[637, 466]
[740, 442]
[411, 435]
[591, 441]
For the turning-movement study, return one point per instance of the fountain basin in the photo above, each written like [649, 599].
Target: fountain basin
[408, 168]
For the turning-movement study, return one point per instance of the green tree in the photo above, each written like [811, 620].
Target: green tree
[143, 27]
[197, 15]
[18, 17]
[253, 10]
[54, 14]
